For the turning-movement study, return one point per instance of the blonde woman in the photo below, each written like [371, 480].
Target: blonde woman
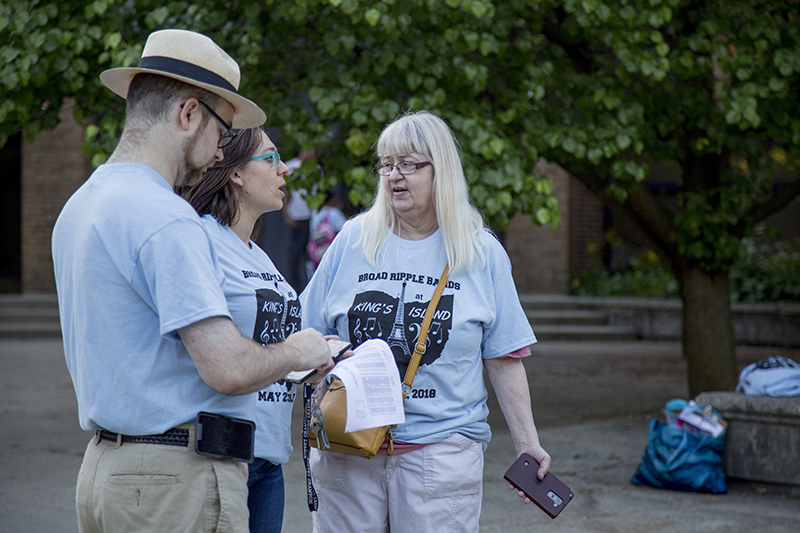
[376, 280]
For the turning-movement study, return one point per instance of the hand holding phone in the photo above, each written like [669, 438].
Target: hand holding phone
[337, 347]
[550, 494]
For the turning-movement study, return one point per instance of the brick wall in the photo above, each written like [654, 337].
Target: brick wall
[585, 229]
[540, 254]
[53, 167]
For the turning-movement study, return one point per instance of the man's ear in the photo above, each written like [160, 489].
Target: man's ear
[190, 114]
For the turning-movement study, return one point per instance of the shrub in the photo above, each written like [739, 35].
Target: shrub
[644, 276]
[767, 271]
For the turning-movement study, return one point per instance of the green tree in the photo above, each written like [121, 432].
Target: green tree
[711, 86]
[605, 89]
[330, 73]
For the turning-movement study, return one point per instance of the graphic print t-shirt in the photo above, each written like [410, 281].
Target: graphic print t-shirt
[478, 317]
[266, 309]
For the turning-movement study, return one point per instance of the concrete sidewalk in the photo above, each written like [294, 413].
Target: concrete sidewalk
[591, 401]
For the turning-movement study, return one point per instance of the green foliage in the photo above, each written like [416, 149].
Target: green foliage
[47, 50]
[329, 73]
[767, 272]
[707, 85]
[643, 277]
[603, 88]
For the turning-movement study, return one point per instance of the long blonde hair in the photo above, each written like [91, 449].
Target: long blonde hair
[459, 221]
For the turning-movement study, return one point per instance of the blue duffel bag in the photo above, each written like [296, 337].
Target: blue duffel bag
[678, 460]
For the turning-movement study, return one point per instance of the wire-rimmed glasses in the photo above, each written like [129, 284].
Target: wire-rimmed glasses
[403, 167]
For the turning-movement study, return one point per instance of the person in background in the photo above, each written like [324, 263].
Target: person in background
[231, 197]
[325, 224]
[297, 215]
[148, 336]
[376, 280]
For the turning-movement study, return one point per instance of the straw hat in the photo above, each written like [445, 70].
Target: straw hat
[195, 59]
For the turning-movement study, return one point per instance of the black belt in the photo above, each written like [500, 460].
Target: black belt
[173, 437]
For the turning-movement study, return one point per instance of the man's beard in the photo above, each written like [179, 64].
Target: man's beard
[188, 172]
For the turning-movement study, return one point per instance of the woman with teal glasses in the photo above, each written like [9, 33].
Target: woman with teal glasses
[230, 197]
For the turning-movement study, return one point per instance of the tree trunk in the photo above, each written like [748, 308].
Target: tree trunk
[708, 343]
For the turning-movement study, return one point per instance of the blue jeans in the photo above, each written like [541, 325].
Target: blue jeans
[266, 497]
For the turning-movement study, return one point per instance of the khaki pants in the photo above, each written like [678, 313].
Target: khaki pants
[153, 487]
[437, 488]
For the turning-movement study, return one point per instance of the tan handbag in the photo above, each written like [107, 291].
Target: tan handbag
[366, 442]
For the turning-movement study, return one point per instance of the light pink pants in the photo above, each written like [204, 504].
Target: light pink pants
[437, 488]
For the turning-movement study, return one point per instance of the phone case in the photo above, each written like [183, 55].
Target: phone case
[225, 437]
[338, 348]
[550, 494]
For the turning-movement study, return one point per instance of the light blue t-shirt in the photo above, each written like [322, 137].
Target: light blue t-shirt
[266, 309]
[479, 317]
[132, 266]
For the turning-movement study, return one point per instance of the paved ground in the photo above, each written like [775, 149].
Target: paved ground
[591, 400]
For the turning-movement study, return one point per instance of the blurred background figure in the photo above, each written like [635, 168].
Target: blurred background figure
[297, 215]
[325, 224]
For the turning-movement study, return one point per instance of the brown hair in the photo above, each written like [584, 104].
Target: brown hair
[214, 193]
[150, 96]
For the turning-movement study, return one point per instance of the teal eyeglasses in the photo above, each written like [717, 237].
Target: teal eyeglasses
[274, 156]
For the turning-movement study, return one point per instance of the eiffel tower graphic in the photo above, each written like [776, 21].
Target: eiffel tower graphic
[397, 337]
[282, 332]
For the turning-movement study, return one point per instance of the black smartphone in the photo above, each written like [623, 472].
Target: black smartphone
[225, 437]
[338, 348]
[550, 494]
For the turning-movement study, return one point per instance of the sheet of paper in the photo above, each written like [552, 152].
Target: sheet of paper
[703, 420]
[374, 393]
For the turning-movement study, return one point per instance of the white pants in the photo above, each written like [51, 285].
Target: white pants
[437, 488]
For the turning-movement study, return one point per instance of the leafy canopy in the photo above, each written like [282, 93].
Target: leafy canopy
[606, 89]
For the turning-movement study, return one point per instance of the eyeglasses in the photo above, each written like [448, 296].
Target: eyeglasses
[404, 167]
[229, 134]
[274, 156]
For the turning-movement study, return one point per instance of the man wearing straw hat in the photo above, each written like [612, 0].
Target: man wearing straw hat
[159, 369]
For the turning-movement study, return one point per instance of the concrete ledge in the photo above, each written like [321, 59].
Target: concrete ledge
[763, 436]
[767, 324]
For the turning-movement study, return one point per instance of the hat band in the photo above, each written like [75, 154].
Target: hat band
[187, 70]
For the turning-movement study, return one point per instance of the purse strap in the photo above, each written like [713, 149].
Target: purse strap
[420, 346]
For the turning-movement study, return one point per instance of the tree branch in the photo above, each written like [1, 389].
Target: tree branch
[578, 55]
[777, 201]
[644, 209]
